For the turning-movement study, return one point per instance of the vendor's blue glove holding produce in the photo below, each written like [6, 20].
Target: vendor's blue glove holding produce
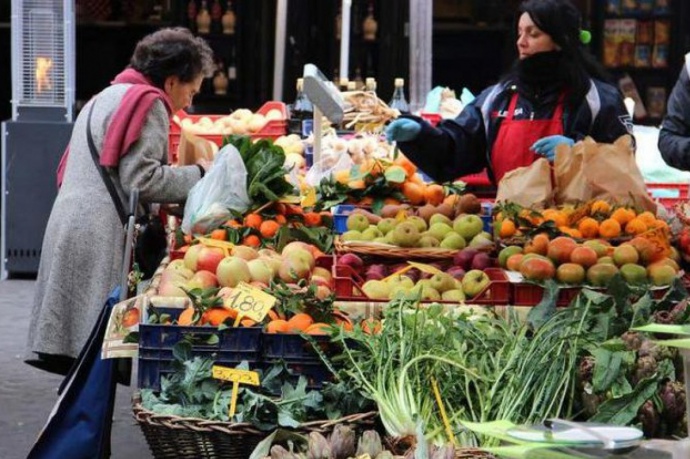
[546, 146]
[403, 130]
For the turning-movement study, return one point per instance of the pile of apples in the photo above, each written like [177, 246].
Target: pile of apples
[594, 262]
[467, 230]
[464, 278]
[206, 267]
[241, 122]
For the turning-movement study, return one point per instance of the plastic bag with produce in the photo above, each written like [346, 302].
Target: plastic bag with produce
[328, 165]
[223, 187]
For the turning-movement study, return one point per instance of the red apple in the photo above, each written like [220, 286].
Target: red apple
[208, 258]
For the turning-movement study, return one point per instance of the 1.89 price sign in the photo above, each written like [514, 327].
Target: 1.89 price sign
[249, 302]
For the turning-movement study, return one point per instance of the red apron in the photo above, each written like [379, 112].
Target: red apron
[511, 148]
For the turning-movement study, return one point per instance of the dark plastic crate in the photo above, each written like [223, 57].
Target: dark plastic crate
[316, 373]
[526, 294]
[156, 343]
[292, 347]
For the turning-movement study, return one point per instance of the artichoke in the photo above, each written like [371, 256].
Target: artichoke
[632, 339]
[446, 451]
[318, 447]
[591, 403]
[342, 442]
[646, 367]
[278, 452]
[586, 369]
[369, 443]
[673, 399]
[680, 313]
[663, 317]
[649, 418]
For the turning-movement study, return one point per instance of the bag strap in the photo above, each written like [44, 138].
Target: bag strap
[104, 174]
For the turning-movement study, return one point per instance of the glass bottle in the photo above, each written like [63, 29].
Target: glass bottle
[370, 26]
[398, 100]
[191, 14]
[370, 85]
[359, 83]
[203, 19]
[301, 110]
[232, 69]
[229, 19]
[216, 15]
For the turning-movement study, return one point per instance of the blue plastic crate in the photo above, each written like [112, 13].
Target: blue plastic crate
[487, 217]
[340, 214]
[156, 343]
[293, 347]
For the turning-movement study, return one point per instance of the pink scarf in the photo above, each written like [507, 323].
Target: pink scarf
[127, 121]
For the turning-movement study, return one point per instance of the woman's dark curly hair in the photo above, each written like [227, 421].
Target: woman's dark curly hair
[172, 52]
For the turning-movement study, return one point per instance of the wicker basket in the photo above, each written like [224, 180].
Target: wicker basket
[175, 437]
[472, 453]
[391, 251]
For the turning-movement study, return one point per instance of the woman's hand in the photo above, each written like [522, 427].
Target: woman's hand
[402, 130]
[546, 146]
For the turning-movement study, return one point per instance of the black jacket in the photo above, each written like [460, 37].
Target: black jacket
[674, 138]
[463, 145]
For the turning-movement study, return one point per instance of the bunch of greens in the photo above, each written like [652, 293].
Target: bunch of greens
[485, 367]
[266, 174]
[191, 391]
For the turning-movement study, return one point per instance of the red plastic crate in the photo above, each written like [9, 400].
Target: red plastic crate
[480, 179]
[527, 294]
[271, 130]
[660, 191]
[432, 118]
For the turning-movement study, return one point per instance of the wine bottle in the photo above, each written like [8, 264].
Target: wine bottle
[300, 111]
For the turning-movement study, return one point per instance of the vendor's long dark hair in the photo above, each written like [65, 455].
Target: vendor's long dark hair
[561, 20]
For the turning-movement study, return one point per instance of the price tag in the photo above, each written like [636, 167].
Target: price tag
[290, 200]
[225, 245]
[237, 377]
[249, 302]
[660, 241]
[308, 197]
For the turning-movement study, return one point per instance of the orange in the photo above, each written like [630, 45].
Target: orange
[216, 316]
[357, 184]
[247, 322]
[600, 207]
[609, 228]
[253, 221]
[589, 227]
[647, 217]
[658, 223]
[277, 326]
[572, 232]
[636, 226]
[391, 201]
[219, 234]
[299, 322]
[507, 228]
[318, 328]
[371, 326]
[280, 219]
[186, 316]
[312, 218]
[252, 241]
[556, 216]
[130, 317]
[269, 228]
[341, 319]
[623, 215]
[409, 166]
[434, 194]
[414, 192]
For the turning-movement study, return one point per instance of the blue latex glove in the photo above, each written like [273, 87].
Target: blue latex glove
[547, 146]
[402, 130]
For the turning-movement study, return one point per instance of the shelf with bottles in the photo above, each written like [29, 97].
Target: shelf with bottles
[210, 17]
[638, 44]
[643, 9]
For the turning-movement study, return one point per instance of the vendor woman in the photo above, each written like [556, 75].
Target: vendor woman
[555, 93]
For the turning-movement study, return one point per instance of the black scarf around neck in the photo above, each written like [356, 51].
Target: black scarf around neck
[542, 70]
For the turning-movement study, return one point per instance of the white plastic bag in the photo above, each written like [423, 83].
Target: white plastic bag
[328, 165]
[223, 187]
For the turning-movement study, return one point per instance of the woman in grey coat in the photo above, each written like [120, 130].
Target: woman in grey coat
[81, 258]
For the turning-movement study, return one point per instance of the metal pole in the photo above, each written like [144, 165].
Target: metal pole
[279, 59]
[346, 11]
[421, 28]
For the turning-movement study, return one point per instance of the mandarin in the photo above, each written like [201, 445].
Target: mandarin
[269, 228]
[589, 227]
[636, 226]
[300, 322]
[609, 228]
[277, 326]
[623, 215]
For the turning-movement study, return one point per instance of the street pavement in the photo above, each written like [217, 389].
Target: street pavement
[27, 395]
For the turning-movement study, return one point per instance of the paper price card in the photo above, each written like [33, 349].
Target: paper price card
[237, 377]
[226, 246]
[249, 302]
[308, 198]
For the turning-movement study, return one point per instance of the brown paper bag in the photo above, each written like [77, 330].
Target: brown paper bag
[612, 174]
[528, 186]
[570, 181]
[192, 148]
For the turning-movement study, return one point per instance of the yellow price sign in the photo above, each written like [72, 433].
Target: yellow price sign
[225, 245]
[249, 302]
[290, 200]
[237, 377]
[308, 198]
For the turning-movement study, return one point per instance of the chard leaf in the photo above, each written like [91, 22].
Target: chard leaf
[541, 313]
[606, 369]
[642, 310]
[621, 387]
[620, 411]
[285, 419]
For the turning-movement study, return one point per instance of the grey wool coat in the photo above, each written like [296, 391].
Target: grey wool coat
[81, 258]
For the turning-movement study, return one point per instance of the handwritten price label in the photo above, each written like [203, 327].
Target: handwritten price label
[249, 302]
[308, 198]
[423, 267]
[224, 245]
[237, 377]
[659, 238]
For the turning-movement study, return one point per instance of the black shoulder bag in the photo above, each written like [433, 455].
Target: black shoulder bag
[150, 246]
